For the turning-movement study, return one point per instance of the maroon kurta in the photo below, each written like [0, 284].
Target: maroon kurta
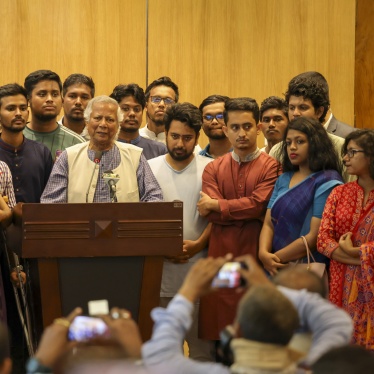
[243, 191]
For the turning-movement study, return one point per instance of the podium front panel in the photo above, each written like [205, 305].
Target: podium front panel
[102, 229]
[116, 279]
[83, 252]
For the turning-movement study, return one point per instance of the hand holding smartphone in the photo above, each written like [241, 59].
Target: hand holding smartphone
[84, 328]
[229, 276]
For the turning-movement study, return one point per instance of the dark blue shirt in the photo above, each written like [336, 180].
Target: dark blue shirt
[151, 148]
[30, 165]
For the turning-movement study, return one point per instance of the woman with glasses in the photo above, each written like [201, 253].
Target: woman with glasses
[311, 170]
[347, 236]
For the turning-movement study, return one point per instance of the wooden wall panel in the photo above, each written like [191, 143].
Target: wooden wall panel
[103, 39]
[364, 73]
[237, 48]
[253, 47]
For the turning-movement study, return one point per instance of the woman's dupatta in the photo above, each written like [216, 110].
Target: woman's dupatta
[290, 209]
[357, 283]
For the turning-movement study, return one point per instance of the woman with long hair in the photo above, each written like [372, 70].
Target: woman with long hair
[346, 236]
[311, 169]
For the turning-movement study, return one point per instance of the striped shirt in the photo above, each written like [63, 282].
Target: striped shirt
[6, 184]
[56, 190]
[56, 141]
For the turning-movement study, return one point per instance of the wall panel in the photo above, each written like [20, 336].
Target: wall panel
[253, 47]
[232, 47]
[364, 73]
[103, 39]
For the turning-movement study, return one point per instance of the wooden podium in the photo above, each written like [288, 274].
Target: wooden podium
[82, 252]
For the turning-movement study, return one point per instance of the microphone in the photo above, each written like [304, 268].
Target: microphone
[97, 159]
[111, 179]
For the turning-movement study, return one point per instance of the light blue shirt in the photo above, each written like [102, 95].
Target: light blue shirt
[331, 327]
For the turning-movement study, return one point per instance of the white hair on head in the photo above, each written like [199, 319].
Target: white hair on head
[102, 99]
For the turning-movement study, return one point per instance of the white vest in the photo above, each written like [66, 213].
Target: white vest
[81, 168]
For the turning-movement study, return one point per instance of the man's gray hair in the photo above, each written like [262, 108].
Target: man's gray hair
[102, 99]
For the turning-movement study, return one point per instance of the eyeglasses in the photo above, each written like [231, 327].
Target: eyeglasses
[158, 99]
[210, 118]
[351, 152]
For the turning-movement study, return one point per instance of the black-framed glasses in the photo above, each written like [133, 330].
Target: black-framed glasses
[158, 99]
[351, 152]
[210, 118]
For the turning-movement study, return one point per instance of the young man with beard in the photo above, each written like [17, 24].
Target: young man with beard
[77, 91]
[43, 89]
[179, 175]
[159, 95]
[236, 190]
[131, 100]
[212, 109]
[307, 96]
[273, 121]
[330, 122]
[30, 162]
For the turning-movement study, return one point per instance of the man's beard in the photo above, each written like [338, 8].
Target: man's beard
[129, 129]
[157, 121]
[181, 157]
[74, 118]
[217, 136]
[14, 130]
[44, 117]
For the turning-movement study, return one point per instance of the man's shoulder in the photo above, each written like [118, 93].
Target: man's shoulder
[153, 143]
[128, 146]
[267, 159]
[4, 167]
[203, 160]
[28, 133]
[76, 147]
[37, 147]
[68, 136]
[153, 162]
[220, 160]
[205, 151]
[338, 141]
[275, 151]
[71, 134]
[144, 132]
[339, 128]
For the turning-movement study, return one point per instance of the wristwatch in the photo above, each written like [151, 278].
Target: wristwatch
[34, 366]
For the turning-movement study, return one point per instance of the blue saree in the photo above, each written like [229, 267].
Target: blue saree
[293, 208]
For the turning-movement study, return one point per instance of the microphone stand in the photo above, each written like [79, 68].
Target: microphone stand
[26, 325]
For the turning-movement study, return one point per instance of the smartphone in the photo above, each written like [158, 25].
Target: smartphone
[84, 328]
[229, 276]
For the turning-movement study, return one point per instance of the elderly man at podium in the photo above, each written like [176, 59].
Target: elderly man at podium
[102, 170]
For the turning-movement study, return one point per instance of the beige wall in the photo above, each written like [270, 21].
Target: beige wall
[364, 73]
[103, 39]
[232, 47]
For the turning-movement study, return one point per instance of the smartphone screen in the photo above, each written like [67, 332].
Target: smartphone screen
[228, 276]
[85, 328]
